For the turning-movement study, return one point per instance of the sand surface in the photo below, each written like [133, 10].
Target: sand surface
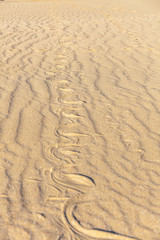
[79, 120]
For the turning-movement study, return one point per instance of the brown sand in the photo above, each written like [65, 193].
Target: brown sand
[79, 120]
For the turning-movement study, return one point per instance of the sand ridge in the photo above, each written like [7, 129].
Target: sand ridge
[79, 120]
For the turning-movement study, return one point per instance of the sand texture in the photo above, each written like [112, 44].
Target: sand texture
[79, 120]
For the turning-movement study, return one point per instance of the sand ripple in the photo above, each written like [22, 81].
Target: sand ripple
[79, 120]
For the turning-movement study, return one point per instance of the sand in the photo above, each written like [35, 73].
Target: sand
[79, 120]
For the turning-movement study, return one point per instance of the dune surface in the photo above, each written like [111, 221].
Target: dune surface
[79, 120]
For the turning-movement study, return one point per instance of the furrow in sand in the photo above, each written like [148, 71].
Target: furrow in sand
[88, 233]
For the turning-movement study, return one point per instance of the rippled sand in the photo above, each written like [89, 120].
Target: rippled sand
[79, 120]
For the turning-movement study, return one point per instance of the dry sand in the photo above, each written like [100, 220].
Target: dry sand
[79, 120]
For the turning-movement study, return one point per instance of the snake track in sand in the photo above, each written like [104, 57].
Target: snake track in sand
[81, 184]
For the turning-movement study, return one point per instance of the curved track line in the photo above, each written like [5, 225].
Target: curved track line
[52, 152]
[70, 115]
[79, 102]
[72, 223]
[75, 181]
[66, 89]
[74, 134]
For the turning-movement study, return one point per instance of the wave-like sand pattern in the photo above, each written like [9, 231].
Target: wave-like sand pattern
[79, 120]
